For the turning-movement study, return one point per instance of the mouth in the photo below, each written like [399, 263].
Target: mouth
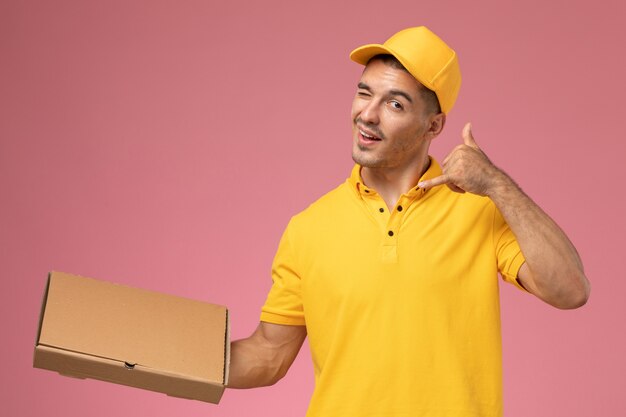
[366, 136]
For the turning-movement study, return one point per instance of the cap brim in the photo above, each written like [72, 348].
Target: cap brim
[363, 54]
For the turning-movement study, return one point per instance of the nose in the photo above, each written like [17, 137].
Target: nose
[369, 112]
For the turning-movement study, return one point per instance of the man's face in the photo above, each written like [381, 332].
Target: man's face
[389, 123]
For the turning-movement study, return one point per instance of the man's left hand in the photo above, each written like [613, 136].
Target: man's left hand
[467, 168]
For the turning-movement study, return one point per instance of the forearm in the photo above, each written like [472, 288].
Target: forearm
[264, 358]
[553, 270]
[251, 366]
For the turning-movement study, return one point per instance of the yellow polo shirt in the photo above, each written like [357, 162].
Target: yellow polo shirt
[402, 307]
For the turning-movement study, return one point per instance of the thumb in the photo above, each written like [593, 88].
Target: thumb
[468, 138]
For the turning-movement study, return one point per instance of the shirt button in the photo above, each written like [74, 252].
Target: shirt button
[399, 208]
[382, 210]
[390, 233]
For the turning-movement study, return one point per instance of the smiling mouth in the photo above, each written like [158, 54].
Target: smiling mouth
[368, 136]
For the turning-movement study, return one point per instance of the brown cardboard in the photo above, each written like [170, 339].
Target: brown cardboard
[100, 330]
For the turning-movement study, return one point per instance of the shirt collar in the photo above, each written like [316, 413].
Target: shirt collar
[357, 184]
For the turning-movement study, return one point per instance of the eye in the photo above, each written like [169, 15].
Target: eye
[362, 93]
[396, 105]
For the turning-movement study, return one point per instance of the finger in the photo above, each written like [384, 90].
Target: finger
[468, 138]
[451, 154]
[433, 182]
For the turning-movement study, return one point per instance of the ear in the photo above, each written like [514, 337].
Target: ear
[436, 122]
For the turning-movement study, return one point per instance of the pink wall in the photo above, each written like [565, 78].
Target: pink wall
[165, 144]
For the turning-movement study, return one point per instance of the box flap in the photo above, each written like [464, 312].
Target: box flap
[79, 365]
[136, 326]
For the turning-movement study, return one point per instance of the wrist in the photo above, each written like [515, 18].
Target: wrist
[500, 184]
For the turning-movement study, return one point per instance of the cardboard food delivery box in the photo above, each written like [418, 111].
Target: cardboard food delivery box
[100, 330]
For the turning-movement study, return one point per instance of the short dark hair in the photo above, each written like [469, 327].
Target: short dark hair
[428, 95]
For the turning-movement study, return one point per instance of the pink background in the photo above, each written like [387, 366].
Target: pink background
[165, 145]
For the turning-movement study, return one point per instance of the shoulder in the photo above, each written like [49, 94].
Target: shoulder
[457, 207]
[333, 202]
[327, 209]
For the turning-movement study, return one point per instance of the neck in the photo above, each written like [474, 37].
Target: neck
[391, 183]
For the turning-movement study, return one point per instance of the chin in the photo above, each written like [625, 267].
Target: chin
[364, 161]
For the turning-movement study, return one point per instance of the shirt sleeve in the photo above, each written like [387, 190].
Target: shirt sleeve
[284, 301]
[508, 253]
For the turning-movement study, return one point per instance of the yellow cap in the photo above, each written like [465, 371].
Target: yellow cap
[425, 56]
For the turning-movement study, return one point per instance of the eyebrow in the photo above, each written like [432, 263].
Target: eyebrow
[400, 93]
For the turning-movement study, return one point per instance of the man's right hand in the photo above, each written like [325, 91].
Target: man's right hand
[264, 358]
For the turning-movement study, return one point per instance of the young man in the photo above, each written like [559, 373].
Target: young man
[393, 275]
